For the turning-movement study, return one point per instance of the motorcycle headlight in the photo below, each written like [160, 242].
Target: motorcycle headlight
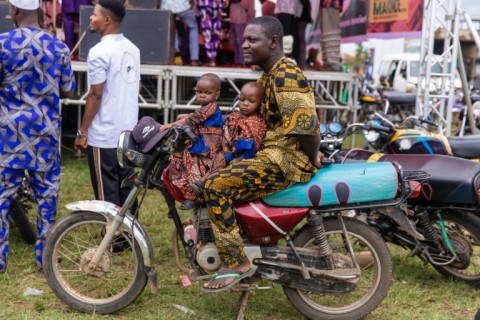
[370, 135]
[125, 142]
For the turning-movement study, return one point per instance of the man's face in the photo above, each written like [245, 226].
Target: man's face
[98, 20]
[256, 45]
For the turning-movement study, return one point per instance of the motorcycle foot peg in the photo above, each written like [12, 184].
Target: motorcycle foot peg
[415, 251]
[250, 287]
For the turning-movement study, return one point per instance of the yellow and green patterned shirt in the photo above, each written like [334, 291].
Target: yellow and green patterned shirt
[289, 110]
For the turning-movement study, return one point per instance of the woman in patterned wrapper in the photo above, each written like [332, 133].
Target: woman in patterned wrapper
[243, 131]
[206, 155]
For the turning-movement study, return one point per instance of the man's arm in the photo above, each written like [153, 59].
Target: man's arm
[310, 145]
[94, 100]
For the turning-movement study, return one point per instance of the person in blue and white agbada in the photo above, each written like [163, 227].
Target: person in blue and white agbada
[35, 73]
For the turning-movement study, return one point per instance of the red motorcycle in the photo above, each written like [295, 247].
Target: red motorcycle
[332, 266]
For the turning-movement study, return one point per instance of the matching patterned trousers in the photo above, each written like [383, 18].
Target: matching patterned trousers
[45, 186]
[239, 182]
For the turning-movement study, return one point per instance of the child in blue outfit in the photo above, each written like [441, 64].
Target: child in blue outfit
[206, 155]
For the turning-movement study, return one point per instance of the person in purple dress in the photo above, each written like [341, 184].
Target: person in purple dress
[70, 15]
[211, 23]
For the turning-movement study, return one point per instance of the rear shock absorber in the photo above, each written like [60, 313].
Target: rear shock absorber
[424, 222]
[318, 230]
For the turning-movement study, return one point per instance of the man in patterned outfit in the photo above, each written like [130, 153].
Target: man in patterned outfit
[289, 152]
[35, 73]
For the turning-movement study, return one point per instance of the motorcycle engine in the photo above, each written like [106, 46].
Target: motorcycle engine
[206, 251]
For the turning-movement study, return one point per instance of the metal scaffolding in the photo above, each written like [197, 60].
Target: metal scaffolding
[435, 95]
[437, 72]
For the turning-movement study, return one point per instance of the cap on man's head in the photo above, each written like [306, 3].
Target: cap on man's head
[146, 133]
[25, 4]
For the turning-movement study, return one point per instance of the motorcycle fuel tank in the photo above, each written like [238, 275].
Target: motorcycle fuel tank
[340, 184]
[417, 142]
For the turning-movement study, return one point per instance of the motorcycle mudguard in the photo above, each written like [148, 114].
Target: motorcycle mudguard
[340, 184]
[109, 211]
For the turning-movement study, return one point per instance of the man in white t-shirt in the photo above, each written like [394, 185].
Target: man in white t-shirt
[112, 100]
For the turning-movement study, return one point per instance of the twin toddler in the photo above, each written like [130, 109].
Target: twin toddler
[220, 140]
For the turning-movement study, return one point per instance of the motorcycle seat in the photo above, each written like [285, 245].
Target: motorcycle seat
[395, 97]
[467, 147]
[450, 178]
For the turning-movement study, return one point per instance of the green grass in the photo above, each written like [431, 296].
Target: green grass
[417, 292]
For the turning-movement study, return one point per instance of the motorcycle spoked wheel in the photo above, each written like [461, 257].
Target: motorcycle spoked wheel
[118, 281]
[371, 289]
[466, 226]
[19, 214]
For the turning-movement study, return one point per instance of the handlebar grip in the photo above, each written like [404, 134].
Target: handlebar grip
[375, 127]
[424, 120]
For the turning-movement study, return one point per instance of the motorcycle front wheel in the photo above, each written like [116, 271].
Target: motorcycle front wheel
[116, 282]
[374, 282]
[462, 228]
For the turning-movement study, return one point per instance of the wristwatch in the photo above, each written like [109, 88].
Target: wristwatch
[80, 134]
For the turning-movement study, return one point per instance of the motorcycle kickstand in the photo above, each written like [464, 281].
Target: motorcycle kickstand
[242, 304]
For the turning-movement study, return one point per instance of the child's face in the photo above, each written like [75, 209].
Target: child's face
[250, 100]
[206, 92]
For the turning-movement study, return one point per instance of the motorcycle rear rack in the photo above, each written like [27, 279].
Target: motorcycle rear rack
[415, 175]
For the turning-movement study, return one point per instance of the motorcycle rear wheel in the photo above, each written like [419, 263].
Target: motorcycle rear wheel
[19, 215]
[375, 279]
[118, 281]
[467, 225]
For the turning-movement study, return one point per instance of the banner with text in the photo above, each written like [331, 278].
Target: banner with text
[386, 19]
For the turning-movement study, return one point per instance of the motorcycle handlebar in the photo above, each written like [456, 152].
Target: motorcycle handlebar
[375, 127]
[424, 120]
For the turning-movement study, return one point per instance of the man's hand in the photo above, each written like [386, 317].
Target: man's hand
[318, 161]
[81, 143]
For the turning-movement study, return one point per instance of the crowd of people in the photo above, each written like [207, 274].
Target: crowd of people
[209, 32]
[269, 144]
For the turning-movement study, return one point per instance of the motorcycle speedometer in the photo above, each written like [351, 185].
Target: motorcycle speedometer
[323, 128]
[335, 127]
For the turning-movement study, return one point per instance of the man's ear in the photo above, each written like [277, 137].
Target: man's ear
[15, 11]
[275, 42]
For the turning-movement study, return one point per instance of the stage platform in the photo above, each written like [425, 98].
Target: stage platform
[170, 88]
